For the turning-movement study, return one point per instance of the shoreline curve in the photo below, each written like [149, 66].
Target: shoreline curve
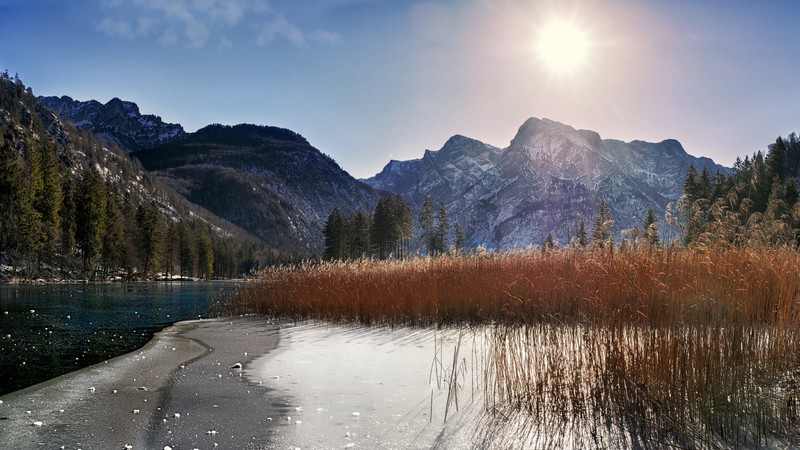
[123, 401]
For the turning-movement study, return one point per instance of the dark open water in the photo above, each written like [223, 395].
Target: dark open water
[49, 330]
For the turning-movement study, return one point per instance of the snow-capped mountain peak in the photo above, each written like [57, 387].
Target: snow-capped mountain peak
[548, 178]
[117, 120]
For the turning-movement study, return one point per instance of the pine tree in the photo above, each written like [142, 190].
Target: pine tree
[170, 248]
[381, 232]
[776, 160]
[29, 220]
[760, 184]
[440, 231]
[224, 258]
[603, 226]
[129, 247]
[580, 234]
[691, 184]
[186, 249]
[51, 201]
[459, 239]
[391, 227]
[720, 185]
[67, 217]
[90, 217]
[149, 235]
[11, 185]
[114, 236]
[425, 221]
[651, 227]
[704, 188]
[402, 226]
[791, 195]
[205, 253]
[359, 235]
[334, 234]
[792, 156]
[743, 169]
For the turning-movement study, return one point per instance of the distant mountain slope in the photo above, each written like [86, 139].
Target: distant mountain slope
[274, 184]
[441, 174]
[72, 205]
[120, 121]
[269, 181]
[549, 177]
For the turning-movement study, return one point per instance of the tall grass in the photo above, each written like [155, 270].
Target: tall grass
[652, 347]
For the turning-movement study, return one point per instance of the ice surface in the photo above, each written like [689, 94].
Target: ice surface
[368, 388]
[79, 409]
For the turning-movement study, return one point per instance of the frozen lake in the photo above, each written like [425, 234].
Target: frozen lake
[304, 386]
[357, 387]
[52, 329]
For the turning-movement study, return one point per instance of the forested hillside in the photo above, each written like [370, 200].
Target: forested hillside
[758, 203]
[267, 180]
[73, 206]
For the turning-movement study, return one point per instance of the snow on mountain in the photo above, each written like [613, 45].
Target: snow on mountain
[280, 188]
[117, 120]
[545, 181]
[442, 173]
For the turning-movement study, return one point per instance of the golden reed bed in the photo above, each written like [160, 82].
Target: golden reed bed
[643, 348]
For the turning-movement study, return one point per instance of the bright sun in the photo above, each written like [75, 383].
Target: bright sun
[562, 46]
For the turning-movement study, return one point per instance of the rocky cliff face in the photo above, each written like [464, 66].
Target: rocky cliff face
[545, 181]
[440, 174]
[117, 120]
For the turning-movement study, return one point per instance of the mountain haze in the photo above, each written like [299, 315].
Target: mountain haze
[548, 178]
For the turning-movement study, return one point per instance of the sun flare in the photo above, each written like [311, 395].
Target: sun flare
[562, 46]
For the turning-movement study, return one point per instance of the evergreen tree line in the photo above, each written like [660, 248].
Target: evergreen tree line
[388, 232]
[756, 204]
[54, 221]
[61, 217]
[384, 233]
[603, 232]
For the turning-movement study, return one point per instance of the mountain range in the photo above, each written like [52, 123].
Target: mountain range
[276, 185]
[548, 178]
[119, 121]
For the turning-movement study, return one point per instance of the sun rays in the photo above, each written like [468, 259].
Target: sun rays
[563, 47]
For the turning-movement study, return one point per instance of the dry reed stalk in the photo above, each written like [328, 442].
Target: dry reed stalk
[688, 347]
[452, 390]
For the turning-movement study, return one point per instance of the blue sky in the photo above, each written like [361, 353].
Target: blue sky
[371, 80]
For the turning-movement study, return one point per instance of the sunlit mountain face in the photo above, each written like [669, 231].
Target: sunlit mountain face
[548, 179]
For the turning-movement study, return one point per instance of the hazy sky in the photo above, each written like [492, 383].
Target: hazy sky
[366, 81]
